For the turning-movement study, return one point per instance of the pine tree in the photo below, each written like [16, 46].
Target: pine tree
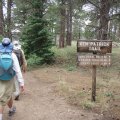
[35, 36]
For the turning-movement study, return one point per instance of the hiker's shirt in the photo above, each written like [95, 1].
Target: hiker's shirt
[8, 87]
[17, 69]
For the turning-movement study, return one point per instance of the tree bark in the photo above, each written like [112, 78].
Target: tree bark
[69, 23]
[1, 19]
[62, 25]
[104, 18]
[118, 32]
[9, 6]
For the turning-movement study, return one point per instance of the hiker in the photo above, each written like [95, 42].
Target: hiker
[9, 68]
[23, 64]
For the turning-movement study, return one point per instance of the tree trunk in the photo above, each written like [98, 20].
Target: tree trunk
[69, 23]
[118, 32]
[79, 36]
[1, 19]
[62, 25]
[9, 5]
[104, 18]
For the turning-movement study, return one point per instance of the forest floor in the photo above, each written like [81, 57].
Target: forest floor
[44, 97]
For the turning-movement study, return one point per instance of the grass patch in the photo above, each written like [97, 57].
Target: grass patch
[109, 94]
[88, 105]
[66, 57]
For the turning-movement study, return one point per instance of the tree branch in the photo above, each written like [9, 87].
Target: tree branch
[93, 26]
[114, 16]
[93, 4]
[117, 14]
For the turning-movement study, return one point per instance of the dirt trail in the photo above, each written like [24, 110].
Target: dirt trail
[39, 102]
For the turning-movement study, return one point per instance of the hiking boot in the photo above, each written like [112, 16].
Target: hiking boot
[12, 112]
[17, 97]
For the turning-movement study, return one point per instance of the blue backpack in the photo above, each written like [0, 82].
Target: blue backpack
[6, 62]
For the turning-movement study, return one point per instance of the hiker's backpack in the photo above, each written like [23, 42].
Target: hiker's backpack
[19, 56]
[6, 63]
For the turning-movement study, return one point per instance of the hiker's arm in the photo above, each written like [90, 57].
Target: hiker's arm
[17, 69]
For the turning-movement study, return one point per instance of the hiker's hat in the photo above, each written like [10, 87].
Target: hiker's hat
[6, 41]
[16, 45]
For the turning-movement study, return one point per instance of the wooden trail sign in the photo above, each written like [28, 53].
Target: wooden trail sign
[94, 59]
[94, 53]
[98, 46]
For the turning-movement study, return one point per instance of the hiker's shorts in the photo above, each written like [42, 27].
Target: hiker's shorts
[6, 91]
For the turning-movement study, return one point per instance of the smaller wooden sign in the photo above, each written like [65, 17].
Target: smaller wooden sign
[92, 59]
[97, 46]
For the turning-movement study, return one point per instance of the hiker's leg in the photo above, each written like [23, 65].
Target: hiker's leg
[10, 103]
[12, 109]
[1, 111]
[1, 116]
[6, 91]
[17, 87]
[3, 97]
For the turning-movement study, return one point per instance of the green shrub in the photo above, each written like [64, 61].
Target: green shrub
[34, 60]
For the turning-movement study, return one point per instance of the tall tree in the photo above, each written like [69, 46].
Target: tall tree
[52, 15]
[35, 35]
[21, 13]
[104, 19]
[103, 16]
[69, 22]
[62, 24]
[8, 30]
[1, 18]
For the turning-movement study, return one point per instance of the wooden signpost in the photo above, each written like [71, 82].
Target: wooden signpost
[94, 53]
